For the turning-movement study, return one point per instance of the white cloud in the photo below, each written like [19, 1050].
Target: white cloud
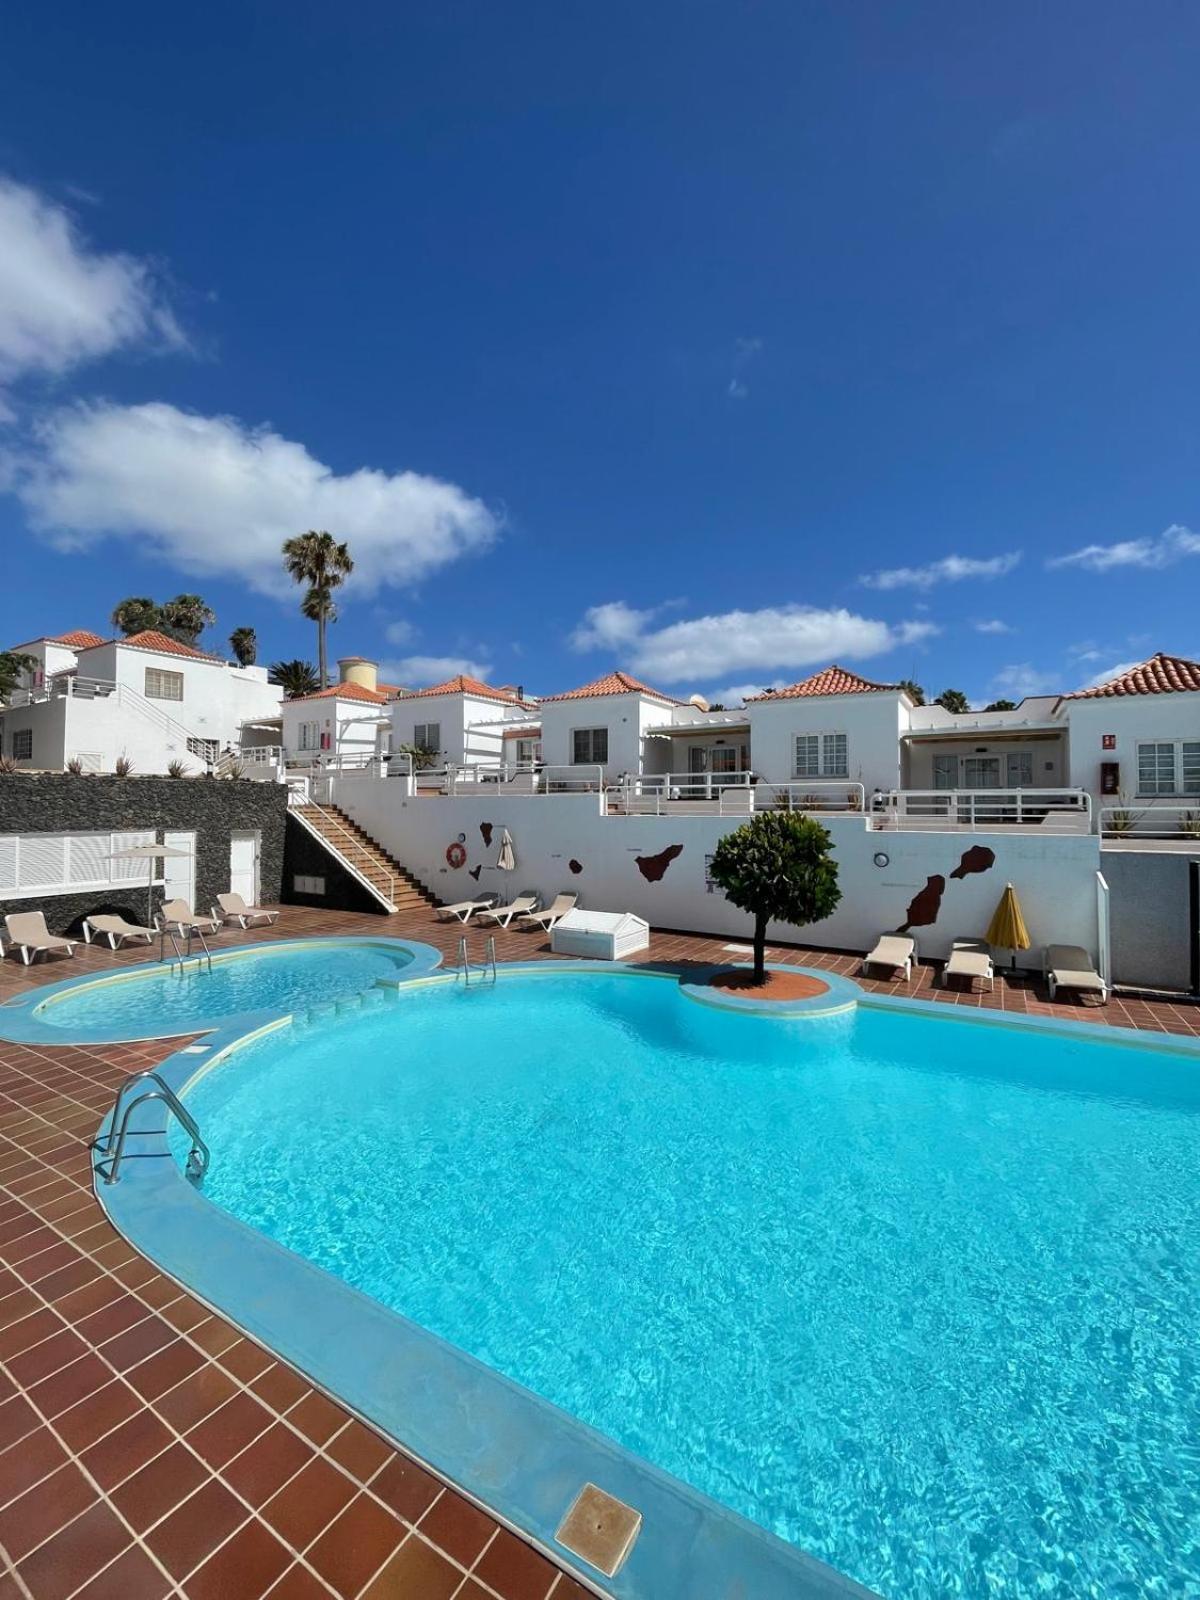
[704, 648]
[1020, 679]
[992, 625]
[950, 569]
[61, 302]
[419, 672]
[214, 496]
[1114, 671]
[1172, 545]
[734, 694]
[611, 626]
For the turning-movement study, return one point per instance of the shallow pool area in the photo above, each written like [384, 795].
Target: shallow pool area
[156, 999]
[916, 1294]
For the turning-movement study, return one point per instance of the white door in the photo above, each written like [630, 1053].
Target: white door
[180, 871]
[243, 866]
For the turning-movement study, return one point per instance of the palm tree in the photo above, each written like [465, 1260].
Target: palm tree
[244, 644]
[293, 677]
[953, 700]
[136, 614]
[318, 560]
[185, 618]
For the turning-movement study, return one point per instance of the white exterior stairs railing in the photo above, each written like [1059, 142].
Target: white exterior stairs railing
[385, 880]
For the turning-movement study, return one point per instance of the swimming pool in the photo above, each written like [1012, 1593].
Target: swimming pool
[157, 999]
[916, 1294]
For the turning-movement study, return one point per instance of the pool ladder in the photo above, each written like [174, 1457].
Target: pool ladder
[180, 956]
[118, 1131]
[488, 965]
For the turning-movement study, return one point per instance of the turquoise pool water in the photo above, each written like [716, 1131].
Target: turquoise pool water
[160, 1000]
[920, 1295]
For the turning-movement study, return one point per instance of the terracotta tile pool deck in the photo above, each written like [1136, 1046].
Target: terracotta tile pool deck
[147, 1448]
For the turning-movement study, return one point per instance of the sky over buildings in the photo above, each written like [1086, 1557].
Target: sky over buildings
[710, 341]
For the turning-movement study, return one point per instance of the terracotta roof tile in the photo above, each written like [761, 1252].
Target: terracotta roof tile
[613, 683]
[162, 644]
[462, 684]
[81, 639]
[830, 680]
[1162, 674]
[344, 691]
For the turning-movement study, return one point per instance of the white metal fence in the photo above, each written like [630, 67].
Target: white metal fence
[973, 810]
[1150, 820]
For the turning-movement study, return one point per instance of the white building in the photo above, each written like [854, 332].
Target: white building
[146, 698]
[602, 727]
[465, 722]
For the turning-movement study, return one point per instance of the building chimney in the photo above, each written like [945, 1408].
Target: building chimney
[357, 669]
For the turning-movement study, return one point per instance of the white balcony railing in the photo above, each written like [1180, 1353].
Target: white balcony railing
[1148, 819]
[975, 810]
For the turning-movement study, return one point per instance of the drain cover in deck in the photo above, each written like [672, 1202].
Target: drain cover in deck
[599, 1528]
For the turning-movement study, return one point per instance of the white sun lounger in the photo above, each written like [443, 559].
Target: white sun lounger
[463, 910]
[503, 915]
[553, 914]
[115, 929]
[179, 915]
[970, 959]
[895, 951]
[232, 908]
[28, 931]
[1068, 966]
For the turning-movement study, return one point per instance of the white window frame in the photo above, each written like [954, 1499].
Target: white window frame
[1178, 759]
[428, 736]
[590, 758]
[24, 750]
[160, 680]
[825, 755]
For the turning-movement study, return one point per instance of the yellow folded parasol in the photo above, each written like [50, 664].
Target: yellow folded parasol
[1007, 928]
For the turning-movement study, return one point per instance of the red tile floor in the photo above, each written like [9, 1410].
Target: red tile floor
[148, 1449]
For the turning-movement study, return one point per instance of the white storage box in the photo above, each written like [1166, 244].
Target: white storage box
[600, 935]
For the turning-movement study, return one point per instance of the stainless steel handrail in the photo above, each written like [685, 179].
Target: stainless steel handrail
[114, 1147]
[488, 964]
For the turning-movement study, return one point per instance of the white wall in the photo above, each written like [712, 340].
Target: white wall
[1055, 877]
[871, 723]
[626, 716]
[1132, 718]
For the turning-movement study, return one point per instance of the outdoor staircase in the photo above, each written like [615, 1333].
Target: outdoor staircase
[364, 858]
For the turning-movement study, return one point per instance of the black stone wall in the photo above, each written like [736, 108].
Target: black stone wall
[303, 856]
[60, 802]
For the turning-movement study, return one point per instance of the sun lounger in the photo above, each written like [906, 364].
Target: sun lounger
[1068, 966]
[503, 915]
[970, 959]
[895, 951]
[463, 910]
[232, 908]
[553, 913]
[179, 915]
[115, 928]
[28, 931]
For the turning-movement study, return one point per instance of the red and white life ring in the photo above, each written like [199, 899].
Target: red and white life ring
[456, 854]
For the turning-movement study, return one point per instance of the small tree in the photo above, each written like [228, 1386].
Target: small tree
[953, 700]
[777, 867]
[244, 644]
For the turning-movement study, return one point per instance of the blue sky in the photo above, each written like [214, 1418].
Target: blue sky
[711, 341]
